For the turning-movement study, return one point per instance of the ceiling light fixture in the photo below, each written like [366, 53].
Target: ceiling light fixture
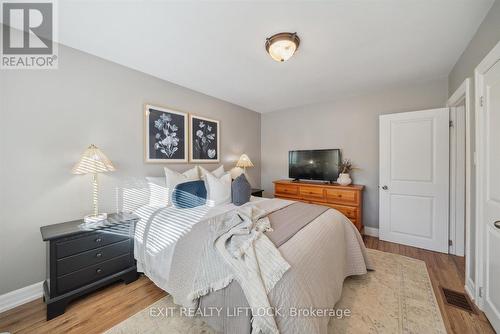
[282, 46]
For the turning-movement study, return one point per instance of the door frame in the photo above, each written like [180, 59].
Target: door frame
[462, 95]
[488, 62]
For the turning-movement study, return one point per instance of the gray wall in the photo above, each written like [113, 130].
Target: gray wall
[351, 124]
[486, 37]
[49, 117]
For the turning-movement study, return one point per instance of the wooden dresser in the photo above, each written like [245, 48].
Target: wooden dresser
[346, 199]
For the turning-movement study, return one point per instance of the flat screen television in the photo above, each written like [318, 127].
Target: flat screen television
[321, 165]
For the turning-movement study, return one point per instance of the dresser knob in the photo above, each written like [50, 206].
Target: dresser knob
[98, 240]
[98, 254]
[98, 270]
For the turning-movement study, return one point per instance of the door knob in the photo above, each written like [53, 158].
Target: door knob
[497, 224]
[385, 187]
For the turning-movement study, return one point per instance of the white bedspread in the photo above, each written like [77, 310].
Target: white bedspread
[321, 255]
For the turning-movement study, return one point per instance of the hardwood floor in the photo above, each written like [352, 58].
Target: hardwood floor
[107, 307]
[447, 271]
[94, 313]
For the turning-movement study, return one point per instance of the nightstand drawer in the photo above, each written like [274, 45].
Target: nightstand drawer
[95, 240]
[85, 259]
[93, 273]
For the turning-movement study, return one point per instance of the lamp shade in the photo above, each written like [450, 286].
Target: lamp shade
[244, 162]
[93, 161]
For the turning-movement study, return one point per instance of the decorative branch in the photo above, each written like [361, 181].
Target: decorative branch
[346, 166]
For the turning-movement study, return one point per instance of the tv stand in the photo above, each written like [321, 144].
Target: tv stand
[346, 199]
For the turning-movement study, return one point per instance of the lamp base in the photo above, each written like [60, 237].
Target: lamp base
[94, 219]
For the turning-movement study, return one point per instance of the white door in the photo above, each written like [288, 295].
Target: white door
[414, 178]
[490, 192]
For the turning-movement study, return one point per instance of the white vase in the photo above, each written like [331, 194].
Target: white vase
[344, 179]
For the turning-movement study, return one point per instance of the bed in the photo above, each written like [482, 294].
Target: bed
[320, 248]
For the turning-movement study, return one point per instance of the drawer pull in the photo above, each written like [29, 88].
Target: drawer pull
[98, 240]
[98, 254]
[98, 270]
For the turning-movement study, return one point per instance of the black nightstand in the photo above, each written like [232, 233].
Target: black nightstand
[257, 192]
[82, 258]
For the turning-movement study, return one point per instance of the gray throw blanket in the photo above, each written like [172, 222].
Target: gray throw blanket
[236, 248]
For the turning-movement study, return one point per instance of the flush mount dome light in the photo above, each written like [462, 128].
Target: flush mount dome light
[282, 46]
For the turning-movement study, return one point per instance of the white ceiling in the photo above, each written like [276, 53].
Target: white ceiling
[217, 48]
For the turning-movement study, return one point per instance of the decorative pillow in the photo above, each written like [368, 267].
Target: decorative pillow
[158, 192]
[241, 190]
[173, 178]
[218, 172]
[218, 189]
[189, 194]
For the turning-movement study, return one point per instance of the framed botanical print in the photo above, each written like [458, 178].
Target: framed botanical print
[166, 135]
[204, 139]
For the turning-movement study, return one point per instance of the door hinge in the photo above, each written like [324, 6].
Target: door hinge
[451, 124]
[481, 292]
[481, 101]
[450, 242]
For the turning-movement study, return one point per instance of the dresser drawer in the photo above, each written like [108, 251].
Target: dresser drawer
[313, 193]
[348, 211]
[287, 189]
[88, 258]
[356, 223]
[342, 196]
[95, 240]
[93, 273]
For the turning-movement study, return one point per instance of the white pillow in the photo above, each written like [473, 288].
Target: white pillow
[218, 172]
[158, 192]
[218, 189]
[173, 178]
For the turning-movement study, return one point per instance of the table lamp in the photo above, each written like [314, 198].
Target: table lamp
[244, 162]
[93, 161]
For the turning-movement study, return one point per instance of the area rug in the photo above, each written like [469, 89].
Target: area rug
[395, 298]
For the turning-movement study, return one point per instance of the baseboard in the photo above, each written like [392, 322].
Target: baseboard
[470, 289]
[371, 231]
[20, 296]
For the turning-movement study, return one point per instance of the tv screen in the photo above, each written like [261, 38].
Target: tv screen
[314, 164]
